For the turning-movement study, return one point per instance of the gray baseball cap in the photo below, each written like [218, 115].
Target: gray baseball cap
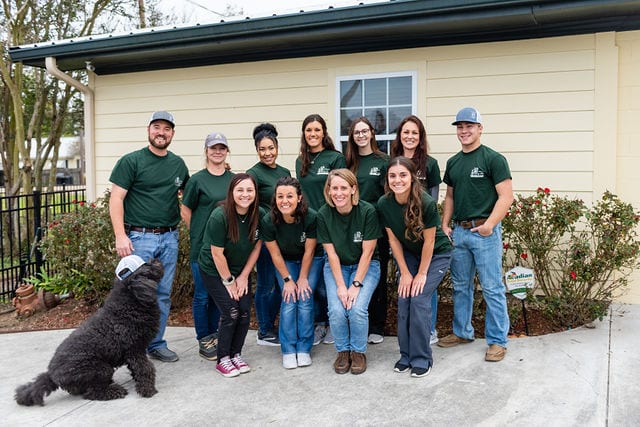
[163, 115]
[469, 115]
[215, 138]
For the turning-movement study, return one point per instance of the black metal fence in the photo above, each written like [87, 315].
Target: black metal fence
[23, 218]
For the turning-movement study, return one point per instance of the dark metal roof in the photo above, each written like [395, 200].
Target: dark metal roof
[364, 28]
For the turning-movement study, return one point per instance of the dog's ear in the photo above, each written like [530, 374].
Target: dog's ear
[144, 290]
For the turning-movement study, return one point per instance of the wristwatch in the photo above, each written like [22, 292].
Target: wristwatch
[356, 284]
[228, 281]
[287, 279]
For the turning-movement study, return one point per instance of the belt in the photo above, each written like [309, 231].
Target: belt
[154, 230]
[471, 223]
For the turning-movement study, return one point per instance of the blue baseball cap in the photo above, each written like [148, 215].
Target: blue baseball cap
[469, 115]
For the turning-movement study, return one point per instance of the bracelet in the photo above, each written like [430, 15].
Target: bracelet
[229, 281]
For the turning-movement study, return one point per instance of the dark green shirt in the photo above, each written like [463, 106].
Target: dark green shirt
[313, 183]
[392, 217]
[291, 238]
[152, 183]
[371, 175]
[474, 177]
[215, 234]
[201, 194]
[266, 177]
[347, 232]
[433, 174]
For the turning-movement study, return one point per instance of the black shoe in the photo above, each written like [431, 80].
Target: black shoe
[400, 367]
[163, 354]
[420, 372]
[208, 347]
[268, 339]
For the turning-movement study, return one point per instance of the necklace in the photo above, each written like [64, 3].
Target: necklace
[243, 220]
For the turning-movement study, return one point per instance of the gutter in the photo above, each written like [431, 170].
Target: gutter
[89, 123]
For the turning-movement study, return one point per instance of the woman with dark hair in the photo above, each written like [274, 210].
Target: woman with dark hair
[289, 233]
[202, 193]
[318, 156]
[423, 254]
[229, 252]
[348, 229]
[266, 172]
[411, 142]
[369, 164]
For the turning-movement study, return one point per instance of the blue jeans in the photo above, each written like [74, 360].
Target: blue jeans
[475, 253]
[350, 328]
[206, 315]
[165, 248]
[267, 297]
[296, 318]
[415, 313]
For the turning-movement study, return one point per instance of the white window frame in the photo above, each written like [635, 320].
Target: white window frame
[414, 97]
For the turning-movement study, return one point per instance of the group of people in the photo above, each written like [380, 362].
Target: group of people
[320, 243]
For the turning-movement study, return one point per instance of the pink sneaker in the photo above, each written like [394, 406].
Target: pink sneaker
[227, 368]
[240, 364]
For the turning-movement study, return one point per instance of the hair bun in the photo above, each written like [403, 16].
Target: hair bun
[265, 128]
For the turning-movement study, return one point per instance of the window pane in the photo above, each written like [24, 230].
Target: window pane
[400, 90]
[346, 117]
[375, 92]
[384, 145]
[350, 93]
[395, 117]
[378, 118]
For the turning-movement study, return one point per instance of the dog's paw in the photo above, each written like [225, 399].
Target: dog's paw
[146, 391]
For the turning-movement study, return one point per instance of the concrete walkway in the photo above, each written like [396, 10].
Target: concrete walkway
[582, 377]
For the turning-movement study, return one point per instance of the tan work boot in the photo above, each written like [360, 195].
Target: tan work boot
[342, 363]
[452, 340]
[358, 363]
[495, 353]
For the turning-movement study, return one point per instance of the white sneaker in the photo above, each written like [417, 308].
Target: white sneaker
[434, 338]
[375, 339]
[304, 359]
[319, 333]
[289, 361]
[328, 338]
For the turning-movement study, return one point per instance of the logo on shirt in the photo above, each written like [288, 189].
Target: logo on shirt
[177, 182]
[303, 237]
[374, 171]
[357, 237]
[476, 173]
[323, 170]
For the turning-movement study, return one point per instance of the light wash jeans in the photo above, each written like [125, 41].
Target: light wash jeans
[296, 318]
[350, 328]
[206, 315]
[267, 297]
[163, 247]
[475, 253]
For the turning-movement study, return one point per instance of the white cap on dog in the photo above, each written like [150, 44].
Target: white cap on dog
[128, 265]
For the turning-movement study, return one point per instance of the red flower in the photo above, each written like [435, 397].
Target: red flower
[524, 256]
[538, 202]
[82, 203]
[67, 241]
[573, 275]
[74, 201]
[93, 205]
[505, 246]
[546, 190]
[539, 190]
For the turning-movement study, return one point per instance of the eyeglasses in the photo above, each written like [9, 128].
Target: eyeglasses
[361, 132]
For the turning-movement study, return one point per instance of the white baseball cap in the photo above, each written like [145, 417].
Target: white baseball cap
[128, 265]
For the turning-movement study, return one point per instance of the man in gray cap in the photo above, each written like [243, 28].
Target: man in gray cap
[145, 212]
[479, 194]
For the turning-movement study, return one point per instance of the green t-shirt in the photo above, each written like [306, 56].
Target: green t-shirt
[215, 234]
[291, 238]
[347, 232]
[474, 177]
[433, 174]
[392, 217]
[313, 183]
[152, 183]
[201, 194]
[266, 177]
[371, 174]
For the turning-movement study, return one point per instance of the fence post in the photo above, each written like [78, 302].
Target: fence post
[37, 226]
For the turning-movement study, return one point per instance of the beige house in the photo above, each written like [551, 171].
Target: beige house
[558, 84]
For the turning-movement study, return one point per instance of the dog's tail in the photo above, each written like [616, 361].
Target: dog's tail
[34, 392]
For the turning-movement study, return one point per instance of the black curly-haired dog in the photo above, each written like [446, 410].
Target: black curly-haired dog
[117, 334]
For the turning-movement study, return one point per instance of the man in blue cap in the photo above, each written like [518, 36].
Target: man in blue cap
[479, 194]
[145, 212]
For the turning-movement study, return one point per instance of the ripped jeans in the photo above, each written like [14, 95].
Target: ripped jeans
[234, 316]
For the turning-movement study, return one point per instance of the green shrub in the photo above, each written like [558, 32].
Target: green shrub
[581, 257]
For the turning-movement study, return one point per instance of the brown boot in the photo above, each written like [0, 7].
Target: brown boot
[342, 363]
[358, 363]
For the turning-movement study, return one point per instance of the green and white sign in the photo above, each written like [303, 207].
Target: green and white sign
[518, 280]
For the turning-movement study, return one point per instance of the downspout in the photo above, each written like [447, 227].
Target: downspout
[89, 131]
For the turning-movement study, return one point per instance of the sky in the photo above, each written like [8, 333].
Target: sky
[203, 11]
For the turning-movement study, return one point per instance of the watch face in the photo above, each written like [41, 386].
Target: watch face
[286, 279]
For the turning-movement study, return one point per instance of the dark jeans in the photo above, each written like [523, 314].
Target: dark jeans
[234, 316]
[378, 304]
